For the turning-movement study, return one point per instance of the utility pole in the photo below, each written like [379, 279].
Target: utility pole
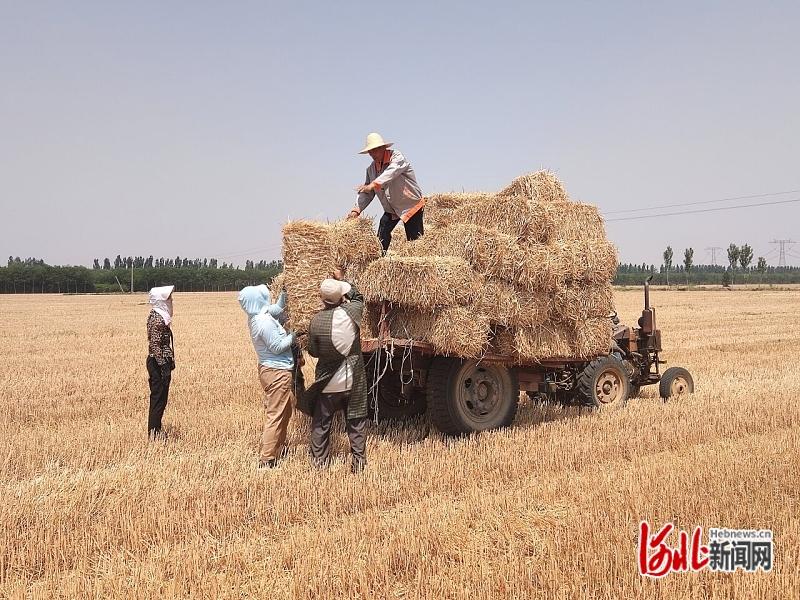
[782, 255]
[713, 250]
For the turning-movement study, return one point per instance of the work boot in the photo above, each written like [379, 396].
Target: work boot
[358, 466]
[268, 464]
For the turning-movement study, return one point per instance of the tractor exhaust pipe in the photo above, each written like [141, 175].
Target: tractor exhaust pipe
[647, 292]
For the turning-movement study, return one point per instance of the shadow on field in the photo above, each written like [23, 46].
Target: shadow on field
[412, 431]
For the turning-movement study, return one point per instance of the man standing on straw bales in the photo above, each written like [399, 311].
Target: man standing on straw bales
[392, 178]
[334, 338]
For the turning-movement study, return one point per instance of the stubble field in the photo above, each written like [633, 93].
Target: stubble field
[549, 508]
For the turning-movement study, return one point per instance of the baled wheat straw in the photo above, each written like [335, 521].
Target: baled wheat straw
[451, 330]
[592, 337]
[552, 340]
[490, 252]
[587, 261]
[577, 221]
[576, 303]
[308, 258]
[541, 186]
[312, 250]
[439, 207]
[508, 305]
[528, 222]
[355, 245]
[421, 282]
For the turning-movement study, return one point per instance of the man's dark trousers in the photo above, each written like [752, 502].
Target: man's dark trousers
[414, 228]
[326, 407]
[159, 390]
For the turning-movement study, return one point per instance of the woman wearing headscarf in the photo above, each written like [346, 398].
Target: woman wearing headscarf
[273, 346]
[160, 356]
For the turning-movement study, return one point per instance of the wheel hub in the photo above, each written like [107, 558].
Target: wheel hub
[609, 387]
[679, 386]
[479, 393]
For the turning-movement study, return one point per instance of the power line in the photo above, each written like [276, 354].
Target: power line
[732, 198]
[703, 210]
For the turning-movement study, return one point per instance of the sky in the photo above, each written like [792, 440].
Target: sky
[198, 128]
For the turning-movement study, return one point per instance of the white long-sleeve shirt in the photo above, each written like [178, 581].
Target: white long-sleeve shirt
[343, 334]
[396, 184]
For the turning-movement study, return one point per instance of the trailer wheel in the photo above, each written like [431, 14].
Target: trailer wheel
[604, 384]
[675, 382]
[466, 396]
[393, 405]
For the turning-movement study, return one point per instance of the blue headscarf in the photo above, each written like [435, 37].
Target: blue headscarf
[254, 299]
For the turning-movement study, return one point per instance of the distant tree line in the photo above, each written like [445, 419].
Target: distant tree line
[739, 270]
[32, 275]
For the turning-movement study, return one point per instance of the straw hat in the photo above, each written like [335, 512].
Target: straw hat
[374, 140]
[332, 290]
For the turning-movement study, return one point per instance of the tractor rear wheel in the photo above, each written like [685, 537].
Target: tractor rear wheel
[676, 382]
[604, 384]
[466, 396]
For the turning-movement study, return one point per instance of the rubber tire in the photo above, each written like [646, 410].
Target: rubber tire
[391, 411]
[443, 409]
[585, 387]
[665, 385]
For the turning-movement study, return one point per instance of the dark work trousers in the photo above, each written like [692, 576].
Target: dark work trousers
[159, 389]
[414, 228]
[325, 408]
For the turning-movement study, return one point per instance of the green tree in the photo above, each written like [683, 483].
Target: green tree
[733, 258]
[668, 261]
[745, 256]
[762, 266]
[688, 258]
[726, 278]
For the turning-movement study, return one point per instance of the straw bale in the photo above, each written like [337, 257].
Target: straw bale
[452, 330]
[490, 252]
[541, 268]
[308, 258]
[420, 281]
[592, 337]
[551, 340]
[276, 285]
[439, 207]
[576, 303]
[587, 261]
[541, 186]
[577, 221]
[311, 252]
[508, 305]
[370, 320]
[530, 222]
[355, 245]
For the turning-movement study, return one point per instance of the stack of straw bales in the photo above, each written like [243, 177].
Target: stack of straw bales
[524, 272]
[541, 265]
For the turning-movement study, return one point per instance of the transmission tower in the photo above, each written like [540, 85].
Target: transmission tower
[713, 250]
[782, 255]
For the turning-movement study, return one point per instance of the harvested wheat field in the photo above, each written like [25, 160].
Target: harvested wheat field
[547, 509]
